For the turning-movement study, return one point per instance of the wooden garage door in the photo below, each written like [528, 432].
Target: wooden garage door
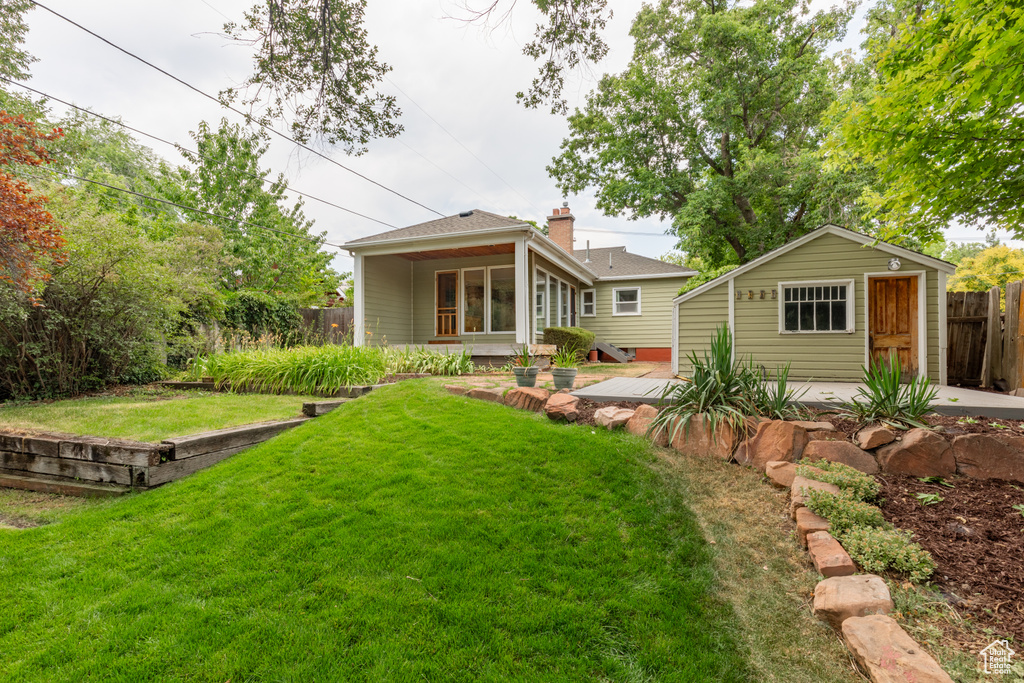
[892, 320]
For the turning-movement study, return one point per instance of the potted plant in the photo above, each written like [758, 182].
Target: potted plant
[566, 364]
[524, 370]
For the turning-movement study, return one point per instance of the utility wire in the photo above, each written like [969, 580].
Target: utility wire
[191, 151]
[459, 142]
[248, 117]
[186, 207]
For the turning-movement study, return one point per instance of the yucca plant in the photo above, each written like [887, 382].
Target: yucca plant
[886, 398]
[774, 398]
[719, 390]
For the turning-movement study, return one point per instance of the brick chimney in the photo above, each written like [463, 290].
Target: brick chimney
[560, 227]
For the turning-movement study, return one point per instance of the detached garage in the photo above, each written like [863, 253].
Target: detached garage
[825, 303]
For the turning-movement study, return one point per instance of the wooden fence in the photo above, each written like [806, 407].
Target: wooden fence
[985, 346]
[333, 324]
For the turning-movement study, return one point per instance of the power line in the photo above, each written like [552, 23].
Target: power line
[186, 149]
[247, 117]
[186, 207]
[626, 232]
[452, 136]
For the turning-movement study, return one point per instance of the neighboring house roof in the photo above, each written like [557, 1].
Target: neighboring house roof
[827, 229]
[615, 263]
[467, 221]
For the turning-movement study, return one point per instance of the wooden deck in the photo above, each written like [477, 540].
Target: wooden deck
[824, 395]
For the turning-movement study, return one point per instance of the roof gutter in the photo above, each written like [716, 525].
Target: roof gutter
[351, 247]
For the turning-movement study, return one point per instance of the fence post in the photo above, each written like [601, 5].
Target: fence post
[1011, 334]
[992, 366]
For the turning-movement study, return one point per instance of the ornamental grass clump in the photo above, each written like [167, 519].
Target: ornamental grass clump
[854, 482]
[302, 369]
[877, 550]
[886, 398]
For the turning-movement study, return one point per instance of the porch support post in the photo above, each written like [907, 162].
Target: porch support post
[522, 293]
[359, 314]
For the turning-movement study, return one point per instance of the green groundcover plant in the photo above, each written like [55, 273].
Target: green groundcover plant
[878, 549]
[859, 485]
[843, 512]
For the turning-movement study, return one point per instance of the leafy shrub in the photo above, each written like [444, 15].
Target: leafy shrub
[259, 313]
[302, 369]
[843, 512]
[105, 312]
[704, 277]
[886, 398]
[879, 549]
[859, 485]
[574, 337]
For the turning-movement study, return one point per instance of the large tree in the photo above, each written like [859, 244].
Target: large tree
[14, 60]
[943, 123]
[271, 246]
[715, 125]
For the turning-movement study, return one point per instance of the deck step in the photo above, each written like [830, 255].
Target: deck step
[613, 352]
[61, 485]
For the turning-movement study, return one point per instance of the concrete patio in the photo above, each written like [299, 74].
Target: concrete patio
[950, 401]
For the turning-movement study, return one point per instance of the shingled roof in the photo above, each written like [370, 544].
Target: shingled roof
[609, 262]
[467, 221]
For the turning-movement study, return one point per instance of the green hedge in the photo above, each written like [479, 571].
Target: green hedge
[576, 337]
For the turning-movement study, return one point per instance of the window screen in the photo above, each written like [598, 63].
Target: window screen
[627, 301]
[815, 308]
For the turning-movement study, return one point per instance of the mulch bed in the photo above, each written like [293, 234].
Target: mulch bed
[951, 425]
[976, 539]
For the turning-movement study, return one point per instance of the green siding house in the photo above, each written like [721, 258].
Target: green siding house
[492, 282]
[827, 303]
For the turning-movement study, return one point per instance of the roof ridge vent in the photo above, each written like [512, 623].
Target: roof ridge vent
[465, 214]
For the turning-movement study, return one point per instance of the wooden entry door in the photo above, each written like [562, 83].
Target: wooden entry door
[892, 320]
[447, 304]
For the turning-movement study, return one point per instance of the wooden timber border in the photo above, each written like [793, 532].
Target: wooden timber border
[77, 465]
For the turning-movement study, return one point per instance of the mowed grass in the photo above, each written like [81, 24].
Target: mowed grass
[409, 535]
[150, 418]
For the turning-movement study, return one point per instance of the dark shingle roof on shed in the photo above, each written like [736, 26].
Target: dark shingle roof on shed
[449, 225]
[624, 264]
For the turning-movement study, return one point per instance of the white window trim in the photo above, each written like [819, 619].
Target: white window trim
[537, 274]
[851, 310]
[462, 300]
[583, 302]
[564, 304]
[615, 300]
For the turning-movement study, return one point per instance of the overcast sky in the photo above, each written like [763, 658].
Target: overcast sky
[447, 76]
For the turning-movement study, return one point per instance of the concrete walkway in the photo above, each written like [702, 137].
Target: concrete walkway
[950, 401]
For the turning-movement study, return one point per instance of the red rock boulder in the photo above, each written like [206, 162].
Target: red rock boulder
[989, 456]
[695, 437]
[640, 424]
[773, 440]
[921, 453]
[527, 398]
[562, 407]
[844, 452]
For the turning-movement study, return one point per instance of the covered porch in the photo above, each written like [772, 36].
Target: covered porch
[490, 293]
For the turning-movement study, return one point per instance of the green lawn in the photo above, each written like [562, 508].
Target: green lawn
[409, 535]
[150, 418]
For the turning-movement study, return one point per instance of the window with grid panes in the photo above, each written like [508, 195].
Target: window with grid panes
[821, 307]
